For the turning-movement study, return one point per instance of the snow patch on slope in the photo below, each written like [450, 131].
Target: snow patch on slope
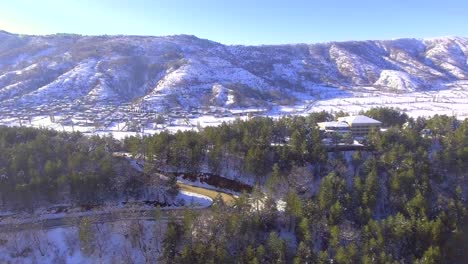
[449, 55]
[397, 80]
[222, 96]
[75, 82]
[353, 66]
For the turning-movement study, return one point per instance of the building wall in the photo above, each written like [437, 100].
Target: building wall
[363, 129]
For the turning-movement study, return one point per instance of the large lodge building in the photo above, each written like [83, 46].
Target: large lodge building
[358, 126]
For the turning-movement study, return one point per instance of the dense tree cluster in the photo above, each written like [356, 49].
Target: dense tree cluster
[402, 202]
[388, 116]
[252, 146]
[45, 167]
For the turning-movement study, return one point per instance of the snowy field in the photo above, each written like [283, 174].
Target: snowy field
[129, 241]
[450, 100]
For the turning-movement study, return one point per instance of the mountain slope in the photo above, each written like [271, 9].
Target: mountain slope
[163, 72]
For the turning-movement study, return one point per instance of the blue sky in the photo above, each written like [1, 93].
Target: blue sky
[241, 21]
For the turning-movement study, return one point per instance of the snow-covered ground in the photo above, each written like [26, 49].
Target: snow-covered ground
[448, 100]
[193, 199]
[128, 241]
[183, 199]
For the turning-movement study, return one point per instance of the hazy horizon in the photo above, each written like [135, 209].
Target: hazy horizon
[242, 22]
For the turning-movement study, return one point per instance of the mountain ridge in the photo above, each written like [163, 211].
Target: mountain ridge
[190, 72]
[243, 45]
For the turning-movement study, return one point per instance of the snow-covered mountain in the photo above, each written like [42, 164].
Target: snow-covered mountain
[185, 71]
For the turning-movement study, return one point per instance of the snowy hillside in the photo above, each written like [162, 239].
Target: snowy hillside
[143, 84]
[190, 72]
[397, 80]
